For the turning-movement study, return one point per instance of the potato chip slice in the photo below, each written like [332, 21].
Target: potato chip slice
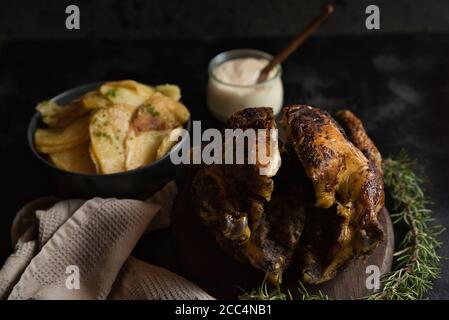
[94, 159]
[168, 142]
[108, 131]
[56, 140]
[156, 117]
[175, 107]
[94, 100]
[142, 147]
[56, 116]
[76, 159]
[126, 91]
[170, 90]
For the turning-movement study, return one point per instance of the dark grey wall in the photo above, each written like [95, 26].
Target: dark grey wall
[213, 18]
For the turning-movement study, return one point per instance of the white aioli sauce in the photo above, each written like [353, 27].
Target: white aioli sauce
[237, 88]
[240, 72]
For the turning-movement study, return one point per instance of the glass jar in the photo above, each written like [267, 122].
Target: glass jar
[224, 99]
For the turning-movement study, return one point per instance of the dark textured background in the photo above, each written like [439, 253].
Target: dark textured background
[395, 79]
[201, 19]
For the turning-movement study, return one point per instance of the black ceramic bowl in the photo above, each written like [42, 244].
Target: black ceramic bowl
[138, 183]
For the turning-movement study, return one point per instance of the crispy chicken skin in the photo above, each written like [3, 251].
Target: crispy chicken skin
[356, 133]
[246, 175]
[345, 183]
[235, 202]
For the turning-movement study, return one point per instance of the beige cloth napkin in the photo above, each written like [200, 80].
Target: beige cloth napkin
[95, 238]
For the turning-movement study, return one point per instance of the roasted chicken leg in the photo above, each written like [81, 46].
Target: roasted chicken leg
[356, 133]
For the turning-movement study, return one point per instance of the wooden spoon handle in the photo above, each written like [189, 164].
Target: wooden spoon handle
[295, 42]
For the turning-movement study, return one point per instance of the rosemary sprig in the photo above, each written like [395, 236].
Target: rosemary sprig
[262, 293]
[416, 263]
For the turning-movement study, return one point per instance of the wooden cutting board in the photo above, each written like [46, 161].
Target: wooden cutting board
[205, 264]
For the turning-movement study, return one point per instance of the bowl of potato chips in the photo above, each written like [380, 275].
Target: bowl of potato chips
[110, 139]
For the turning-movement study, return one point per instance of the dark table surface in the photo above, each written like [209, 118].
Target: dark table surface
[398, 85]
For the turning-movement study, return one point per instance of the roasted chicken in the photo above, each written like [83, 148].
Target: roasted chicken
[345, 182]
[321, 206]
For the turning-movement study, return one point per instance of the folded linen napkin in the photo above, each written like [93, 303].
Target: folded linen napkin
[78, 249]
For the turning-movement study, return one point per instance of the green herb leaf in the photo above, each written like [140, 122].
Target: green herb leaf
[112, 92]
[150, 110]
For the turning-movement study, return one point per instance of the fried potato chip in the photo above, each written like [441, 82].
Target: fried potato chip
[162, 102]
[56, 116]
[76, 159]
[168, 142]
[128, 124]
[154, 117]
[94, 159]
[94, 100]
[126, 91]
[170, 90]
[57, 140]
[108, 130]
[52, 149]
[142, 147]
